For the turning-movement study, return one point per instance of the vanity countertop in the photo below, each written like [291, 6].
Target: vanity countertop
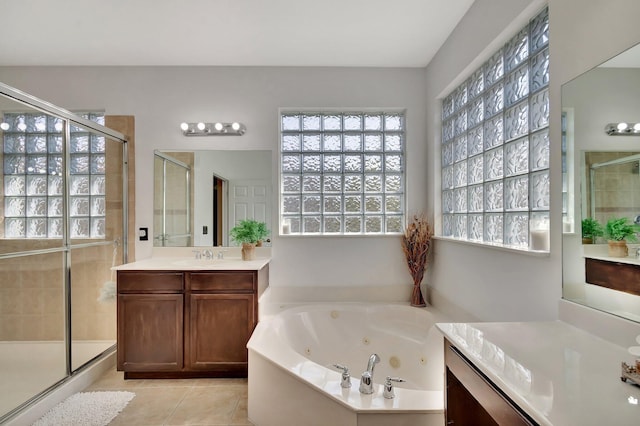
[600, 252]
[557, 373]
[191, 264]
[632, 260]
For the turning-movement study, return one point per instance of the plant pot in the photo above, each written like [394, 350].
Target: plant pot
[259, 243]
[618, 248]
[248, 251]
[586, 240]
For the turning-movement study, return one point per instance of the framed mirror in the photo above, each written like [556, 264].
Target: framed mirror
[200, 195]
[601, 182]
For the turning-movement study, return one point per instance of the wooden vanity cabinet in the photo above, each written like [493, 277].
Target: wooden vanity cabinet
[619, 276]
[472, 399]
[186, 323]
[150, 312]
[222, 312]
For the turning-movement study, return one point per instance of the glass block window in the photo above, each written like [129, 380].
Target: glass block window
[33, 151]
[342, 173]
[495, 144]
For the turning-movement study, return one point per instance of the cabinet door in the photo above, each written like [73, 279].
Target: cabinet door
[150, 334]
[219, 328]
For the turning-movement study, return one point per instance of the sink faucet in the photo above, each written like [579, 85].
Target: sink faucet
[197, 253]
[366, 382]
[208, 254]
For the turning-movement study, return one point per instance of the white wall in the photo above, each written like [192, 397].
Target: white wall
[488, 284]
[481, 282]
[161, 98]
[491, 284]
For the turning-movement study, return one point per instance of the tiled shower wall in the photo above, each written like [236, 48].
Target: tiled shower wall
[32, 287]
[32, 296]
[617, 187]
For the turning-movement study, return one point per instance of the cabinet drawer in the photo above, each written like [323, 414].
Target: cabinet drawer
[234, 281]
[150, 282]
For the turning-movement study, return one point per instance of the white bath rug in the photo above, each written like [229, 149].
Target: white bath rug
[87, 409]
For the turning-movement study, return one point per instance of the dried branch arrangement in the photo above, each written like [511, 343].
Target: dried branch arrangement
[416, 243]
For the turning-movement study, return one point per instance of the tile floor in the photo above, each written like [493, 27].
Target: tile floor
[179, 402]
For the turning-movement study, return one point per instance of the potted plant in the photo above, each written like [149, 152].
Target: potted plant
[416, 243]
[618, 231]
[263, 233]
[591, 229]
[247, 233]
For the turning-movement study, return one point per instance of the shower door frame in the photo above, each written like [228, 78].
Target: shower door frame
[70, 119]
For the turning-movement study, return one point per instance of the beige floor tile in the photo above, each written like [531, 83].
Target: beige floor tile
[240, 415]
[114, 380]
[219, 382]
[207, 405]
[151, 406]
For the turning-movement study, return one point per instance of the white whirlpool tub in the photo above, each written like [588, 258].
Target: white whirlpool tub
[291, 381]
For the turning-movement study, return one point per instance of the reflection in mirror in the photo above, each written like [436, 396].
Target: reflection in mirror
[612, 185]
[223, 187]
[604, 184]
[172, 213]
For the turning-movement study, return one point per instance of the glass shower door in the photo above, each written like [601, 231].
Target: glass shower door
[97, 229]
[172, 204]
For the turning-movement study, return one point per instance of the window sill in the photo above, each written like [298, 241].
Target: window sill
[501, 247]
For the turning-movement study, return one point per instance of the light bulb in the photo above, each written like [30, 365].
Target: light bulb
[235, 126]
[22, 127]
[201, 126]
[184, 126]
[622, 126]
[218, 126]
[4, 126]
[636, 127]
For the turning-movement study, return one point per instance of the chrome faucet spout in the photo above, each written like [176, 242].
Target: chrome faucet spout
[373, 360]
[366, 381]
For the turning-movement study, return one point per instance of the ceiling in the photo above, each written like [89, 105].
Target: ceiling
[368, 33]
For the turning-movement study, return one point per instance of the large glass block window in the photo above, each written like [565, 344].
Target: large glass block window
[342, 173]
[495, 145]
[33, 150]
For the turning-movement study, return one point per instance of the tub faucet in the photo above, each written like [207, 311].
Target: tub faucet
[345, 381]
[366, 381]
[388, 387]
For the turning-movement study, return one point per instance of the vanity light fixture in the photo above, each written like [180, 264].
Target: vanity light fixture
[213, 129]
[622, 129]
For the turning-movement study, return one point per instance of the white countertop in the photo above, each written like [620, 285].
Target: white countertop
[601, 252]
[559, 374]
[632, 260]
[191, 264]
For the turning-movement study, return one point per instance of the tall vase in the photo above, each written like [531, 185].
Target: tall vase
[416, 296]
[248, 251]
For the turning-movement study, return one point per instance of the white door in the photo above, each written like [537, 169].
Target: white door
[249, 199]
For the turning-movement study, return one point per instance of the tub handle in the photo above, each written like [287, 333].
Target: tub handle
[388, 392]
[345, 381]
